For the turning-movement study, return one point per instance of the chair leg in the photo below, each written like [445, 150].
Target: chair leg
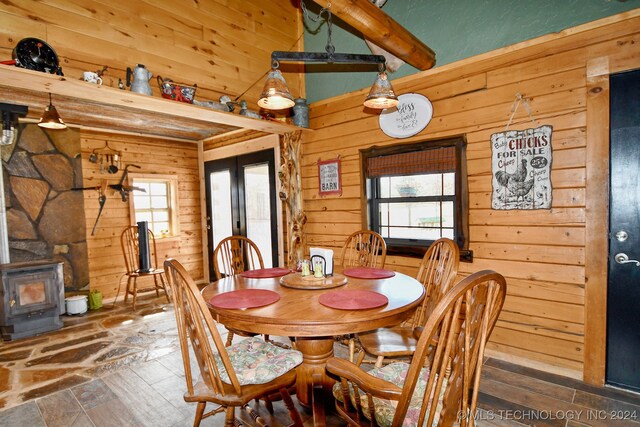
[135, 292]
[230, 417]
[268, 404]
[379, 362]
[293, 412]
[257, 419]
[155, 284]
[199, 413]
[127, 290]
[352, 349]
[164, 286]
[229, 339]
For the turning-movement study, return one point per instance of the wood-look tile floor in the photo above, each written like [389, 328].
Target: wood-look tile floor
[116, 367]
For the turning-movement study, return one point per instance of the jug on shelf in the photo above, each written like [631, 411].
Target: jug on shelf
[141, 78]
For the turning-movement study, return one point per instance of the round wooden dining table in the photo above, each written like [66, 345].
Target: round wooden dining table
[299, 314]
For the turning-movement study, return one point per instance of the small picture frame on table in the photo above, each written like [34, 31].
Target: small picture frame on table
[329, 177]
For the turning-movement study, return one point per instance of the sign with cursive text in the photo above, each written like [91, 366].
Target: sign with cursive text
[521, 169]
[412, 114]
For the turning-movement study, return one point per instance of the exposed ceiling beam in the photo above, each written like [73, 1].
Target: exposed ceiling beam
[379, 28]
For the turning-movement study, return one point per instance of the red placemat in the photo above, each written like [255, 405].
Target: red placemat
[244, 298]
[353, 299]
[368, 273]
[263, 273]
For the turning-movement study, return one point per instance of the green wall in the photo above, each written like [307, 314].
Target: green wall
[454, 29]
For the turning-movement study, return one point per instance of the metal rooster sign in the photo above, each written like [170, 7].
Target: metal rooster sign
[521, 169]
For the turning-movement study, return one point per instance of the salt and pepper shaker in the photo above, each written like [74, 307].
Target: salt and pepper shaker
[317, 269]
[305, 268]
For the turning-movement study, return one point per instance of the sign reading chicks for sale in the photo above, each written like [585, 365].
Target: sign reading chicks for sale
[521, 169]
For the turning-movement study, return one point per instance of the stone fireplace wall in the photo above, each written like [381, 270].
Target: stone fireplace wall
[45, 215]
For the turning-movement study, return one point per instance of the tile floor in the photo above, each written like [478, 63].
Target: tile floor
[110, 367]
[117, 367]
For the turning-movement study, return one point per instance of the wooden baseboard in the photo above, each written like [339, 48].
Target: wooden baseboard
[571, 373]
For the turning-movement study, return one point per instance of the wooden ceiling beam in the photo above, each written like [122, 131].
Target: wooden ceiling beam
[379, 28]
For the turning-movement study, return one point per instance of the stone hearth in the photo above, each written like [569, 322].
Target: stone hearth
[88, 347]
[45, 216]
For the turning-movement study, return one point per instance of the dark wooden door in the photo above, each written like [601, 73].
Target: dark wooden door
[623, 306]
[241, 200]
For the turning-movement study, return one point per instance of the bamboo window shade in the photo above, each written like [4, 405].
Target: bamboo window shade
[435, 160]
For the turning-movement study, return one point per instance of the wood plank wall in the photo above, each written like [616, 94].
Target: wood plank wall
[541, 252]
[222, 46]
[154, 156]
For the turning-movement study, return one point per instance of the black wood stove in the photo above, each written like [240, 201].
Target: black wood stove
[32, 298]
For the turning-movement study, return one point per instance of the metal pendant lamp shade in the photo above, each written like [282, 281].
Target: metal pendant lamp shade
[381, 94]
[50, 118]
[275, 95]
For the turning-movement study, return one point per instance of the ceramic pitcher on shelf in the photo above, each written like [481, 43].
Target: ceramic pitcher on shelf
[141, 77]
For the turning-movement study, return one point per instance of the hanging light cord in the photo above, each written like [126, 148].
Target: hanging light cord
[267, 72]
[330, 48]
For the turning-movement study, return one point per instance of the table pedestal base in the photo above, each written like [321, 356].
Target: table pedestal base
[312, 373]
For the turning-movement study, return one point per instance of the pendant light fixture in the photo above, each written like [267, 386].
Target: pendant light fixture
[50, 118]
[276, 95]
[381, 94]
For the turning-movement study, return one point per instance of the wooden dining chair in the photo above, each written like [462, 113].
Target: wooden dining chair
[437, 273]
[440, 385]
[234, 255]
[129, 240]
[233, 376]
[364, 248]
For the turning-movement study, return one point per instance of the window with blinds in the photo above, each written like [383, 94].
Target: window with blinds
[416, 193]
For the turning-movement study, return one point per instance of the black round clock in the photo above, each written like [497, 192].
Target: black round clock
[35, 54]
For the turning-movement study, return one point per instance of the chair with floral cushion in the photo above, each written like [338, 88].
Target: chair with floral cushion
[231, 376]
[440, 385]
[437, 273]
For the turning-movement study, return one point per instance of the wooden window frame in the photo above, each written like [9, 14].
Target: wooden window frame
[172, 182]
[394, 247]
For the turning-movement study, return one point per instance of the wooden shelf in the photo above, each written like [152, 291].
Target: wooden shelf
[85, 104]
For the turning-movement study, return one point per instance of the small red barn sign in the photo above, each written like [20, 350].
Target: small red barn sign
[329, 177]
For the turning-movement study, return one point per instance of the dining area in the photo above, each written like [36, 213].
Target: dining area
[236, 354]
[425, 357]
[509, 161]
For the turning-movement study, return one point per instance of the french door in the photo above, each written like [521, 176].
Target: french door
[241, 200]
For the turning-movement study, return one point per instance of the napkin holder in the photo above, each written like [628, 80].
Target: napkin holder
[325, 256]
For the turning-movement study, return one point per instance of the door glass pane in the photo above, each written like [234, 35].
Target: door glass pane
[258, 209]
[221, 205]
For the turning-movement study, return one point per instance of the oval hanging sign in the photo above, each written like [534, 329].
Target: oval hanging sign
[412, 114]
